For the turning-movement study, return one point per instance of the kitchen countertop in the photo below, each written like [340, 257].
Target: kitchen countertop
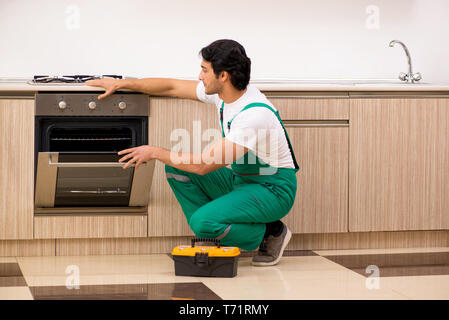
[21, 86]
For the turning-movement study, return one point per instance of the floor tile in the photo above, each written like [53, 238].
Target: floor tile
[15, 293]
[398, 264]
[11, 276]
[306, 277]
[420, 287]
[96, 270]
[151, 291]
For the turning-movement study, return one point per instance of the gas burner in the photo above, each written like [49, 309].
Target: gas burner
[74, 79]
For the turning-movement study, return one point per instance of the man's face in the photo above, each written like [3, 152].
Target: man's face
[212, 85]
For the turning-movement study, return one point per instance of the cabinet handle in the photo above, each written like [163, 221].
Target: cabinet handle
[316, 123]
[84, 164]
[294, 125]
[411, 95]
[87, 164]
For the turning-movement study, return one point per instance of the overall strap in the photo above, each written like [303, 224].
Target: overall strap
[221, 119]
[259, 104]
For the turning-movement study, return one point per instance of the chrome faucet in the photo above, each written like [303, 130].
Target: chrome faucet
[409, 77]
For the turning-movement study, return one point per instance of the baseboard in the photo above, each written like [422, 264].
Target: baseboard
[152, 245]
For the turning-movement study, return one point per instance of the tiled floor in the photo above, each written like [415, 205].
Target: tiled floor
[390, 274]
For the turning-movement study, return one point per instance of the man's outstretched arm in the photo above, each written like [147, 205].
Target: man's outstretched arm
[152, 86]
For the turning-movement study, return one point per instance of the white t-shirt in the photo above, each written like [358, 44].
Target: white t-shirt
[257, 128]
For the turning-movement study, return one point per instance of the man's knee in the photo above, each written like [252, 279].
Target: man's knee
[204, 227]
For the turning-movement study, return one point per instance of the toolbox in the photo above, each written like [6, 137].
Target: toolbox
[205, 261]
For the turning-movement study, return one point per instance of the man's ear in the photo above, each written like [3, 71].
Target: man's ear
[224, 75]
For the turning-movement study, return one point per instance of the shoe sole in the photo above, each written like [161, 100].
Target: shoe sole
[274, 262]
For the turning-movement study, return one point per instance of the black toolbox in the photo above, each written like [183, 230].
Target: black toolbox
[205, 261]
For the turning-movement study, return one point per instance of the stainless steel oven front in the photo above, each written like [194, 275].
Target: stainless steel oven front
[77, 139]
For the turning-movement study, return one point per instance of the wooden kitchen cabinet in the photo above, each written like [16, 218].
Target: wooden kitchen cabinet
[319, 132]
[181, 120]
[399, 164]
[321, 203]
[367, 164]
[16, 170]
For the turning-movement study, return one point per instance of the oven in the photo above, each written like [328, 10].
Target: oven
[77, 138]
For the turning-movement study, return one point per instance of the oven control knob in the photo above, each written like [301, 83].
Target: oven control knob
[122, 105]
[62, 105]
[92, 105]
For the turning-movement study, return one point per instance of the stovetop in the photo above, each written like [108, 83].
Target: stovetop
[64, 80]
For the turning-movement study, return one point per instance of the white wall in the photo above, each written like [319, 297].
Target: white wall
[284, 38]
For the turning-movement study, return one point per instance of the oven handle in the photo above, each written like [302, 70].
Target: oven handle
[86, 164]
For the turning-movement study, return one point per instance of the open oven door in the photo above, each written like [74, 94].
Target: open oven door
[75, 181]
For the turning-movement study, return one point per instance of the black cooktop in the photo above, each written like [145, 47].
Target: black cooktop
[70, 79]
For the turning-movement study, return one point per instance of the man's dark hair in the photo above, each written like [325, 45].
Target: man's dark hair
[229, 55]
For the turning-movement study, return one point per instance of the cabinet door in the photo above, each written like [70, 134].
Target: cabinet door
[399, 164]
[16, 169]
[321, 203]
[181, 120]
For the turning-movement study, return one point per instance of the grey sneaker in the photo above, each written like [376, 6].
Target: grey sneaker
[272, 248]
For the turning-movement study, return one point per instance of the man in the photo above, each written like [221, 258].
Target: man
[242, 205]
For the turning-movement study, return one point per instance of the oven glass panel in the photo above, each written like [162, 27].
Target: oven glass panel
[92, 186]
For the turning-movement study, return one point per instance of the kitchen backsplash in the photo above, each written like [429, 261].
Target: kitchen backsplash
[285, 39]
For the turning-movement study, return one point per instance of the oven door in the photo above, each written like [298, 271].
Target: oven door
[79, 180]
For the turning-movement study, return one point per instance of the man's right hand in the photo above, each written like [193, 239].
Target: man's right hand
[109, 84]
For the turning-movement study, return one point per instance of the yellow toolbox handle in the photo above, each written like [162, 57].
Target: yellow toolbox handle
[215, 241]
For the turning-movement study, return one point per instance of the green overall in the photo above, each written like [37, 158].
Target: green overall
[233, 205]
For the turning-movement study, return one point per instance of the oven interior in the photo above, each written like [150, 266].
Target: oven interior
[88, 134]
